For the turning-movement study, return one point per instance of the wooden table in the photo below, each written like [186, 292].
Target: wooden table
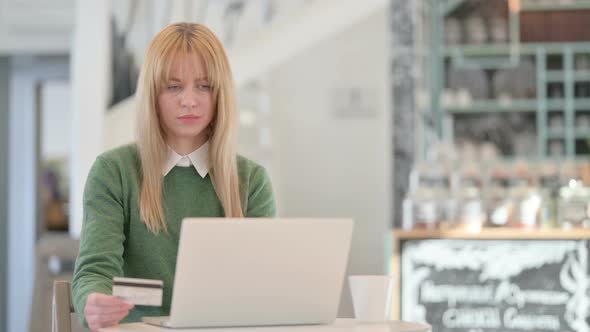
[340, 325]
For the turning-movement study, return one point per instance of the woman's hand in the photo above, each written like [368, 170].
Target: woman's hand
[105, 310]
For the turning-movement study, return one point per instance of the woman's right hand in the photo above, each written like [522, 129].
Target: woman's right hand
[103, 310]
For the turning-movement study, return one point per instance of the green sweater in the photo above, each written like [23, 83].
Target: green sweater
[114, 242]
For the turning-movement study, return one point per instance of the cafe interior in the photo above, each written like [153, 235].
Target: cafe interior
[455, 133]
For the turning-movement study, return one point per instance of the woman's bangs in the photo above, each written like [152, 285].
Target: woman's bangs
[198, 61]
[208, 61]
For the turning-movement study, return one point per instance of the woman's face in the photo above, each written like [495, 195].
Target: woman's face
[186, 105]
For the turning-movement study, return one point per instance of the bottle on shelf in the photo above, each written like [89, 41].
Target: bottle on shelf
[429, 203]
[555, 90]
[500, 206]
[471, 213]
[549, 184]
[424, 212]
[526, 196]
[582, 89]
[476, 30]
[583, 122]
[584, 171]
[574, 205]
[517, 82]
[556, 148]
[453, 35]
[467, 85]
[499, 30]
[574, 198]
[556, 122]
[582, 61]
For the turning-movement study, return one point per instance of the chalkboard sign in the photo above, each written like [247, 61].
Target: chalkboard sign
[496, 285]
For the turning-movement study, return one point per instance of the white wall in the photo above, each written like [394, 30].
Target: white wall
[4, 138]
[332, 165]
[120, 121]
[91, 75]
[35, 26]
[55, 119]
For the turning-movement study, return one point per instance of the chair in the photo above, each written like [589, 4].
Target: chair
[62, 307]
[55, 258]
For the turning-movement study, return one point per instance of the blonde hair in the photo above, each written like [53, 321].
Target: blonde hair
[193, 40]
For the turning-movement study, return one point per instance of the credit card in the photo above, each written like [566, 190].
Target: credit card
[147, 292]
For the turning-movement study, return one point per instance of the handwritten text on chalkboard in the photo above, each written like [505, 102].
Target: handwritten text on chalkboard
[492, 285]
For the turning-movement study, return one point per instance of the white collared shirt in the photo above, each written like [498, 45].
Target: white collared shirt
[198, 158]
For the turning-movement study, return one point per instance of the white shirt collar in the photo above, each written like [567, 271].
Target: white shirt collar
[198, 158]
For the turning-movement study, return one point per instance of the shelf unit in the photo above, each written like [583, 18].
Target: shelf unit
[535, 5]
[500, 233]
[568, 104]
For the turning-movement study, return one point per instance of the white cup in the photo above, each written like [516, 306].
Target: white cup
[371, 297]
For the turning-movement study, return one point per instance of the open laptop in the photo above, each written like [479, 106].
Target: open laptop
[258, 272]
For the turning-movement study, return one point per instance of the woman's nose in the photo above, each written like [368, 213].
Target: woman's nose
[188, 98]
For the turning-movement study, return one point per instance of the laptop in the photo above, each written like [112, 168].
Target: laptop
[258, 272]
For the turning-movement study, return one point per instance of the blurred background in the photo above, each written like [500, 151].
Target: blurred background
[392, 110]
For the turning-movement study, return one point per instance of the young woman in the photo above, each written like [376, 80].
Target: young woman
[184, 164]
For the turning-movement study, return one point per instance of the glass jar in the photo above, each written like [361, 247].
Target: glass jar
[429, 203]
[426, 209]
[526, 197]
[549, 186]
[500, 206]
[574, 205]
[471, 213]
[527, 201]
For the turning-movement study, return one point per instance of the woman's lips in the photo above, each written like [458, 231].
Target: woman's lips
[188, 119]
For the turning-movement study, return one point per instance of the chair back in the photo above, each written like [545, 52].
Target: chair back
[62, 307]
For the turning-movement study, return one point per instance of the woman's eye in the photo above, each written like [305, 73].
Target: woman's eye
[203, 87]
[173, 87]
